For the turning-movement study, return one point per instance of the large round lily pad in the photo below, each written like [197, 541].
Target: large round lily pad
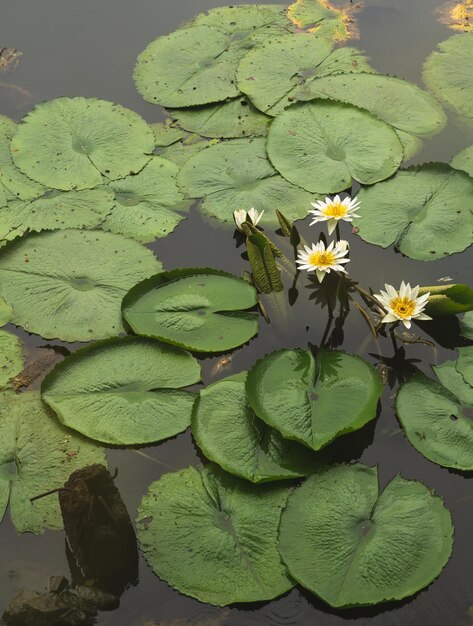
[437, 417]
[11, 357]
[313, 401]
[464, 160]
[36, 454]
[124, 391]
[199, 309]
[229, 433]
[425, 212]
[213, 536]
[352, 546]
[237, 175]
[322, 145]
[69, 284]
[70, 143]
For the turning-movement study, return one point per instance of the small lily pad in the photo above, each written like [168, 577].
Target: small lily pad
[165, 134]
[203, 310]
[464, 160]
[324, 19]
[352, 546]
[11, 357]
[213, 536]
[181, 151]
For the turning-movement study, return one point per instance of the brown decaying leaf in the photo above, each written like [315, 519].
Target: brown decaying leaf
[457, 15]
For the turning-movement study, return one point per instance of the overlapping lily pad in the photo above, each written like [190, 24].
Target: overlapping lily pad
[465, 364]
[466, 326]
[464, 160]
[425, 212]
[11, 357]
[6, 312]
[204, 310]
[352, 546]
[124, 391]
[237, 174]
[179, 152]
[229, 433]
[313, 401]
[213, 536]
[37, 454]
[69, 284]
[323, 18]
[71, 143]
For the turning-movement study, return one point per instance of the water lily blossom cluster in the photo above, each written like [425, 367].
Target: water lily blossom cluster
[242, 216]
[333, 210]
[323, 260]
[403, 305]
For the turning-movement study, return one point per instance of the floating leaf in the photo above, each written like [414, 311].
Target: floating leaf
[198, 309]
[69, 284]
[124, 391]
[237, 175]
[466, 326]
[145, 202]
[465, 364]
[284, 69]
[165, 134]
[181, 151]
[213, 536]
[437, 417]
[313, 401]
[323, 18]
[229, 433]
[464, 160]
[70, 143]
[352, 546]
[411, 144]
[37, 454]
[322, 145]
[447, 299]
[11, 359]
[425, 212]
[448, 72]
[6, 313]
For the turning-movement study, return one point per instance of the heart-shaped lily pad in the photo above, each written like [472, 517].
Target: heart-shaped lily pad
[229, 433]
[37, 454]
[464, 160]
[124, 391]
[199, 309]
[322, 145]
[70, 143]
[313, 401]
[352, 546]
[213, 536]
[425, 212]
[69, 284]
[11, 357]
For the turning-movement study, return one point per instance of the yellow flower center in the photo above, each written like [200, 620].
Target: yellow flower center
[403, 307]
[336, 209]
[322, 259]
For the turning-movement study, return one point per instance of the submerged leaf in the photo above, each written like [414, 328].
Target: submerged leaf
[11, 358]
[213, 536]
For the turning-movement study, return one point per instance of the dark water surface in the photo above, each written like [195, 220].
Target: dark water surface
[88, 48]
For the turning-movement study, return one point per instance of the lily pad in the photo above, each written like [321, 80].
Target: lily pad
[465, 364]
[213, 536]
[322, 145]
[437, 417]
[466, 326]
[411, 144]
[425, 212]
[198, 309]
[70, 143]
[313, 401]
[236, 174]
[352, 546]
[145, 203]
[11, 357]
[124, 391]
[181, 151]
[324, 19]
[464, 160]
[284, 70]
[6, 313]
[69, 284]
[165, 134]
[448, 72]
[37, 454]
[229, 433]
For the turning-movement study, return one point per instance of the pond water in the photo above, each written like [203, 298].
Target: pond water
[89, 48]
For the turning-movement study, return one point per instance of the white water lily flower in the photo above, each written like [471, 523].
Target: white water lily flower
[323, 260]
[242, 216]
[333, 210]
[403, 305]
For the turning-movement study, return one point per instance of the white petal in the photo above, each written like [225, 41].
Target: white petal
[331, 225]
[320, 275]
[422, 316]
[389, 317]
[407, 323]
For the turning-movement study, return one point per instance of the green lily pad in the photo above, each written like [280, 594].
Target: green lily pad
[213, 536]
[69, 284]
[464, 160]
[181, 151]
[11, 357]
[237, 175]
[448, 72]
[229, 433]
[425, 212]
[37, 454]
[465, 364]
[165, 134]
[437, 417]
[352, 546]
[284, 70]
[124, 391]
[198, 309]
[466, 326]
[313, 401]
[197, 64]
[322, 18]
[6, 313]
[70, 143]
[322, 145]
[447, 299]
[229, 119]
[145, 203]
[411, 144]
